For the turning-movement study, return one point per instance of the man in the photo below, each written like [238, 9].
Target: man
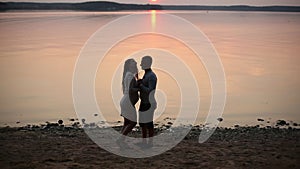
[148, 103]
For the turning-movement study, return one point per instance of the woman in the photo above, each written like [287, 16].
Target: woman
[130, 97]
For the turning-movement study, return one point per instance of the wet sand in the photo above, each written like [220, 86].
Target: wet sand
[240, 147]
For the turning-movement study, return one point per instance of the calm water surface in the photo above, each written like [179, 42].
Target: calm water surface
[259, 52]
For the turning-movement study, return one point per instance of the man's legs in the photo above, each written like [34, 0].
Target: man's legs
[146, 123]
[144, 131]
[144, 134]
[151, 134]
[148, 128]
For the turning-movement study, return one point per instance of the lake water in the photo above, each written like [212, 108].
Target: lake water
[259, 52]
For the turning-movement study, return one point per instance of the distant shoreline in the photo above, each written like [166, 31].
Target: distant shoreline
[112, 6]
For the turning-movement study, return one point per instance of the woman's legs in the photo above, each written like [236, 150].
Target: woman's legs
[128, 126]
[126, 123]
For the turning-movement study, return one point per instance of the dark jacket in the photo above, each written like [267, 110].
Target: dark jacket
[147, 87]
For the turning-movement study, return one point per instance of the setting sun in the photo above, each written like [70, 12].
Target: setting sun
[153, 0]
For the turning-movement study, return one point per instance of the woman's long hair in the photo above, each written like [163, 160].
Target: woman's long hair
[126, 69]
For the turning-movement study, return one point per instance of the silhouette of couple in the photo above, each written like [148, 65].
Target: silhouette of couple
[133, 90]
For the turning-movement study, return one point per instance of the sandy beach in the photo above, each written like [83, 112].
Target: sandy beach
[69, 147]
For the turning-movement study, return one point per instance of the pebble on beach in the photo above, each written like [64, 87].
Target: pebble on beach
[60, 122]
[76, 124]
[220, 119]
[260, 119]
[281, 123]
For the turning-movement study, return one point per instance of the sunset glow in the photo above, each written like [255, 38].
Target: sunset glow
[153, 18]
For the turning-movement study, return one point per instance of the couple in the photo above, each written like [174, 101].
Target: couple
[133, 90]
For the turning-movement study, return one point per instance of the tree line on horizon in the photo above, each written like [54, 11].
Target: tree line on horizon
[113, 6]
